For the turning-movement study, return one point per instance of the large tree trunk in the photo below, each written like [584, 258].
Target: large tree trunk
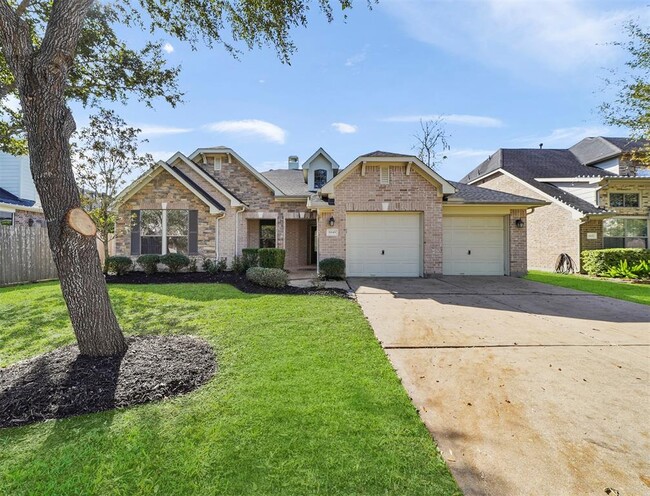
[41, 78]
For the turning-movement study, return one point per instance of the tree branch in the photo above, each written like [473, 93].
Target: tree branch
[22, 7]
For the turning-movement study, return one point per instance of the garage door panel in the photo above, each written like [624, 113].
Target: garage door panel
[398, 236]
[473, 245]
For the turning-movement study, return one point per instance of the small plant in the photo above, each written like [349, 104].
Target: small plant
[623, 269]
[271, 258]
[270, 278]
[118, 265]
[237, 265]
[221, 265]
[598, 262]
[149, 263]
[642, 269]
[175, 262]
[332, 268]
[250, 257]
[209, 266]
[192, 266]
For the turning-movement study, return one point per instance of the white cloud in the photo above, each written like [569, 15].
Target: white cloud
[458, 119]
[559, 35]
[168, 47]
[12, 103]
[462, 153]
[155, 130]
[564, 137]
[345, 128]
[160, 154]
[251, 127]
[357, 58]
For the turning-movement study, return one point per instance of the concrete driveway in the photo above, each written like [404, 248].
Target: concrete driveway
[528, 389]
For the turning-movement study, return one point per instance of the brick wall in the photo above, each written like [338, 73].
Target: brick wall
[551, 229]
[640, 186]
[21, 218]
[405, 193]
[591, 226]
[518, 243]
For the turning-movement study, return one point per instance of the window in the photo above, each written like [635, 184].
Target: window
[167, 230]
[217, 163]
[6, 219]
[267, 234]
[624, 199]
[625, 233]
[320, 178]
[384, 175]
[151, 231]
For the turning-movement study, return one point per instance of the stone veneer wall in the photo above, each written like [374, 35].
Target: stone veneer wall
[405, 193]
[641, 186]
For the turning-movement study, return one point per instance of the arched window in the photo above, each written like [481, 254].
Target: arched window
[320, 178]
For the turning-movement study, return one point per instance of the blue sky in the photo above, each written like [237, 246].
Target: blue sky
[504, 73]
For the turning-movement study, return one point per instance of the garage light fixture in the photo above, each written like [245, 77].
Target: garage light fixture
[331, 221]
[519, 223]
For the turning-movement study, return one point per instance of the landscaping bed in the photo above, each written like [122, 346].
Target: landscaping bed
[63, 383]
[232, 278]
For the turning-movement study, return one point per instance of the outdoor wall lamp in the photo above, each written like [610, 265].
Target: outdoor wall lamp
[331, 221]
[519, 223]
[30, 222]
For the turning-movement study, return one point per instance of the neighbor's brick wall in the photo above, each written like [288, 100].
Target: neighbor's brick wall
[632, 186]
[551, 229]
[518, 243]
[412, 193]
[21, 218]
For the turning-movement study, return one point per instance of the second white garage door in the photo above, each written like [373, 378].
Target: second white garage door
[473, 246]
[384, 244]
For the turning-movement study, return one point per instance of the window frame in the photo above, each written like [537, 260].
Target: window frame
[324, 181]
[12, 218]
[164, 232]
[625, 236]
[624, 199]
[268, 222]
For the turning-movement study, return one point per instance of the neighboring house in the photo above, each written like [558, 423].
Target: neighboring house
[19, 202]
[600, 197]
[385, 214]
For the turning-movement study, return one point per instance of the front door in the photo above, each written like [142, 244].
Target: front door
[313, 244]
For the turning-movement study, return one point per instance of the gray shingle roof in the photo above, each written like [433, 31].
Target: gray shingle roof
[290, 181]
[528, 164]
[379, 153]
[10, 198]
[198, 188]
[627, 144]
[475, 194]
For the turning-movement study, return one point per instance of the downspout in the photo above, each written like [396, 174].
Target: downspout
[237, 212]
[216, 238]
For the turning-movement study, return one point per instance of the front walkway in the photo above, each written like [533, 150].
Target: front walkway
[527, 388]
[305, 277]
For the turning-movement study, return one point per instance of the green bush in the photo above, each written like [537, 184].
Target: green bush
[624, 269]
[250, 257]
[642, 269]
[237, 265]
[175, 261]
[149, 263]
[212, 267]
[332, 268]
[270, 278]
[118, 265]
[192, 266]
[271, 258]
[598, 262]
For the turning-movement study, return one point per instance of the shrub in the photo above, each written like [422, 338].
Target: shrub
[192, 266]
[209, 266]
[271, 258]
[237, 265]
[118, 265]
[175, 261]
[270, 278]
[332, 268]
[642, 269]
[249, 258]
[622, 269]
[221, 265]
[598, 262]
[149, 263]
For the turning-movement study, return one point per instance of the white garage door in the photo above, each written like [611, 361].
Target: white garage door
[473, 246]
[384, 244]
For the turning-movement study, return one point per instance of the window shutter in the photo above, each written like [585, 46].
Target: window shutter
[135, 232]
[193, 242]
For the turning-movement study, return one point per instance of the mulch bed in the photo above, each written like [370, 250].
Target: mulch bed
[64, 383]
[237, 280]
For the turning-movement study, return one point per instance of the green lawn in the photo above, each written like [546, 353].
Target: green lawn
[304, 402]
[637, 293]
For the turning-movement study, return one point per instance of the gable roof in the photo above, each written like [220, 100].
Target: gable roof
[387, 157]
[478, 195]
[599, 148]
[321, 151]
[11, 199]
[229, 151]
[290, 181]
[530, 163]
[202, 193]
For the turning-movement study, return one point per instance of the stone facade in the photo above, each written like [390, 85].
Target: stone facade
[22, 217]
[405, 193]
[640, 186]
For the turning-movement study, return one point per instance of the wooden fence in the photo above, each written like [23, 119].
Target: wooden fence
[25, 255]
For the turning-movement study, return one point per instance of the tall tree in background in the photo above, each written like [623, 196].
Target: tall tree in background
[631, 107]
[105, 155]
[61, 50]
[431, 142]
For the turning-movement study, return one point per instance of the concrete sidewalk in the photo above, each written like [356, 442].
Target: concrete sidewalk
[527, 388]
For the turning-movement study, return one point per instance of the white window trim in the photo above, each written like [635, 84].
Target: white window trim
[164, 228]
[631, 217]
[609, 197]
[216, 163]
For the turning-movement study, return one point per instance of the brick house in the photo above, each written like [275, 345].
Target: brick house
[19, 202]
[599, 196]
[386, 214]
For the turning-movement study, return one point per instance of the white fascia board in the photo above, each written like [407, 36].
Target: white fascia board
[179, 156]
[588, 180]
[168, 168]
[252, 170]
[321, 151]
[447, 188]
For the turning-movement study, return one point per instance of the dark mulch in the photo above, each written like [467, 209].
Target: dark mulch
[63, 383]
[237, 280]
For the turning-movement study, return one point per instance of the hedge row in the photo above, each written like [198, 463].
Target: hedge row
[599, 262]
